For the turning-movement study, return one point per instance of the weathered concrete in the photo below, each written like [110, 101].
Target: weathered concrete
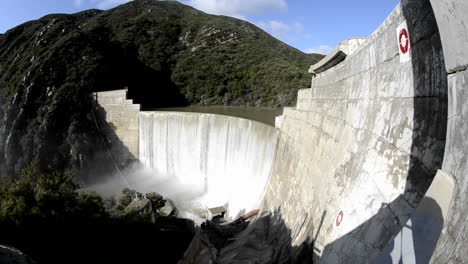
[122, 116]
[417, 240]
[360, 150]
[345, 48]
[452, 21]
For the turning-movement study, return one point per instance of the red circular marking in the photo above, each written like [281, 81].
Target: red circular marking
[404, 46]
[339, 218]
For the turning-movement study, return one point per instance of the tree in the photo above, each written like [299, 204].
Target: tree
[157, 201]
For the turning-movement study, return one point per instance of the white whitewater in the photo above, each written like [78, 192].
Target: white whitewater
[225, 160]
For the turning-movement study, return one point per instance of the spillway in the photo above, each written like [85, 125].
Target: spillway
[227, 160]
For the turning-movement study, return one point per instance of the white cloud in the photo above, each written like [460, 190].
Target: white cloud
[238, 8]
[322, 49]
[283, 31]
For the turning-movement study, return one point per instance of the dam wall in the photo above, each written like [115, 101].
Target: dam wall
[121, 115]
[452, 20]
[227, 160]
[360, 149]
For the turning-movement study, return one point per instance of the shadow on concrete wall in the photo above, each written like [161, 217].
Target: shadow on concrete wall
[121, 153]
[106, 156]
[111, 154]
[427, 150]
[417, 240]
[265, 240]
[430, 97]
[428, 142]
[269, 240]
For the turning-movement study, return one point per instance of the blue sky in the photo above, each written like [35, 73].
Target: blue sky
[308, 25]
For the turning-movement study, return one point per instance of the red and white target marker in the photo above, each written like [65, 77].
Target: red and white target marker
[403, 40]
[339, 218]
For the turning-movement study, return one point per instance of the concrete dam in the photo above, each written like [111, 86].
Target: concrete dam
[369, 166]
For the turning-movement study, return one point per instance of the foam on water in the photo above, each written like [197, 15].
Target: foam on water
[226, 160]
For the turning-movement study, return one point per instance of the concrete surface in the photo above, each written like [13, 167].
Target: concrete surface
[360, 151]
[417, 240]
[339, 53]
[452, 20]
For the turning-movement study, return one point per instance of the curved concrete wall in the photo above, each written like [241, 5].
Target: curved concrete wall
[228, 159]
[452, 20]
[357, 154]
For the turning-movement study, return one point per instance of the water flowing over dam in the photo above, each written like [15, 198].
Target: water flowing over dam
[225, 159]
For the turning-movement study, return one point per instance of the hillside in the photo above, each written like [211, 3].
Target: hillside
[166, 53]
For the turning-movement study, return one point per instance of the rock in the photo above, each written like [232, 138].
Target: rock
[218, 214]
[143, 205]
[167, 209]
[140, 208]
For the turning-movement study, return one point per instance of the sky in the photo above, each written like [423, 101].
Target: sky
[312, 26]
